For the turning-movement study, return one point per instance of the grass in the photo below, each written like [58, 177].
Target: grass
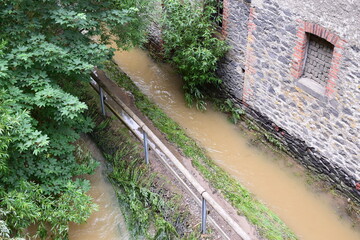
[268, 224]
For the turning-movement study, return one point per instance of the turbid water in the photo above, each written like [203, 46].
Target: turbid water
[309, 214]
[107, 223]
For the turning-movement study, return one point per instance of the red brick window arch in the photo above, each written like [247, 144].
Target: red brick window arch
[317, 56]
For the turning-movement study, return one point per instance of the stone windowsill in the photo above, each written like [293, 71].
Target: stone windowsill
[311, 87]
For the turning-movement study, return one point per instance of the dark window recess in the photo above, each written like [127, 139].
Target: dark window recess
[217, 16]
[318, 59]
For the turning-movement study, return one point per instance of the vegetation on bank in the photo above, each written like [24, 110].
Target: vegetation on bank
[42, 44]
[189, 29]
[150, 211]
[268, 224]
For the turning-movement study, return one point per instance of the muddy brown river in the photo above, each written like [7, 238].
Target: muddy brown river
[107, 223]
[311, 215]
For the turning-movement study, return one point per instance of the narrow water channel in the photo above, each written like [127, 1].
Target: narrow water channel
[107, 223]
[310, 215]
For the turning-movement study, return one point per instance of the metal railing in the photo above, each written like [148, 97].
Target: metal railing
[143, 133]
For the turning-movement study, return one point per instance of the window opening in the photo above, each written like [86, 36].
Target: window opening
[318, 59]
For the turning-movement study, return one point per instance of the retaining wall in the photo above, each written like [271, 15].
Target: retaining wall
[319, 123]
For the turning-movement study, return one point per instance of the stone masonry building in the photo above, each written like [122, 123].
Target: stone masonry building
[295, 67]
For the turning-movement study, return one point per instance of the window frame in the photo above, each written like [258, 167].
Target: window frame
[300, 54]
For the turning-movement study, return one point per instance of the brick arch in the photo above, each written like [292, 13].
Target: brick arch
[300, 51]
[321, 32]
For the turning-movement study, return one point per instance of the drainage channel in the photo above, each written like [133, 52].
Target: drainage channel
[108, 222]
[140, 130]
[311, 214]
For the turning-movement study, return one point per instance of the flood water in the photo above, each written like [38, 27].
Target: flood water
[107, 223]
[310, 215]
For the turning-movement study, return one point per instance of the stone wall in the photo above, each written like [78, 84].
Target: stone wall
[235, 31]
[320, 124]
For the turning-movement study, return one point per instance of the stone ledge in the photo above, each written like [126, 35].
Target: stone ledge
[313, 88]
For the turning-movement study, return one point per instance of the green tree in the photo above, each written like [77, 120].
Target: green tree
[44, 44]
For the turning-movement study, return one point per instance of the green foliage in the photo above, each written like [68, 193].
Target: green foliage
[140, 194]
[133, 181]
[268, 224]
[191, 45]
[165, 230]
[7, 122]
[227, 106]
[142, 204]
[4, 230]
[27, 205]
[43, 45]
[274, 141]
[87, 164]
[265, 137]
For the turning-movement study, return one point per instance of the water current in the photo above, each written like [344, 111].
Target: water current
[107, 223]
[311, 215]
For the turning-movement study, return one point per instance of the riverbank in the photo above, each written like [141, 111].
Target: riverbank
[267, 223]
[107, 223]
[154, 203]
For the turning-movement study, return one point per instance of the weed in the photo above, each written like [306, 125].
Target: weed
[143, 205]
[353, 210]
[235, 113]
[252, 126]
[273, 140]
[87, 163]
[102, 125]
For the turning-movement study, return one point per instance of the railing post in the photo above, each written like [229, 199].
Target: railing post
[203, 216]
[146, 148]
[102, 101]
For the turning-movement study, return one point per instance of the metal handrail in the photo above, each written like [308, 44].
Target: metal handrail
[97, 75]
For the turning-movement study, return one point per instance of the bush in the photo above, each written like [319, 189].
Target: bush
[190, 44]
